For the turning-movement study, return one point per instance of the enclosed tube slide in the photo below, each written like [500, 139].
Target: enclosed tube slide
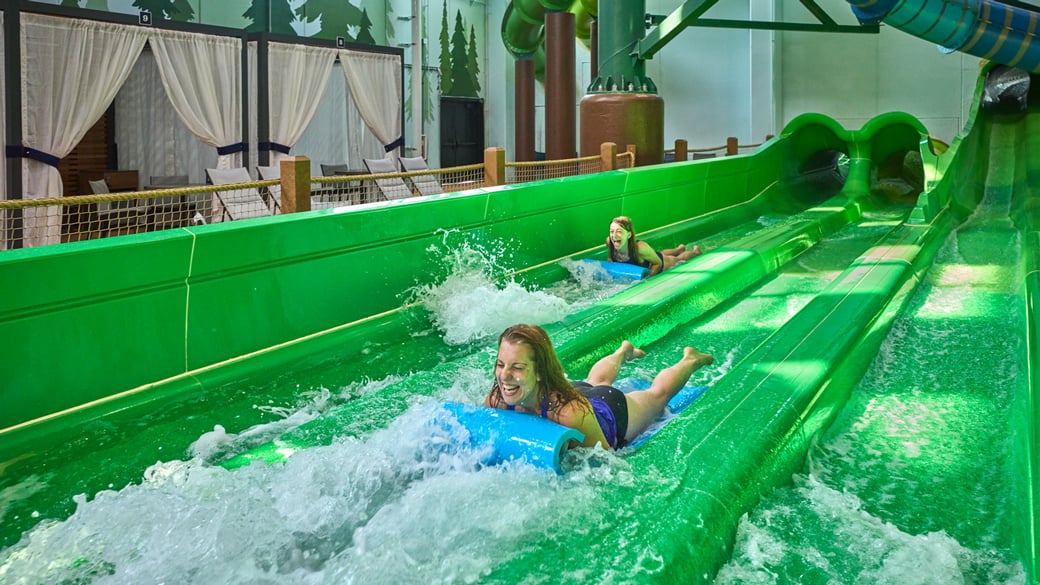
[523, 26]
[984, 28]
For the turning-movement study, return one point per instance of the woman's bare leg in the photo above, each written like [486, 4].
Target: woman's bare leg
[645, 406]
[605, 371]
[674, 256]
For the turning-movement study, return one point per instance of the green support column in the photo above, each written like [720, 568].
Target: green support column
[621, 104]
[620, 28]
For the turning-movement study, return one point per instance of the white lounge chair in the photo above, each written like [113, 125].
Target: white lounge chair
[240, 203]
[391, 187]
[424, 184]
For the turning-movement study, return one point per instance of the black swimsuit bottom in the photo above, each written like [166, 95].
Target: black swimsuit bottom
[615, 399]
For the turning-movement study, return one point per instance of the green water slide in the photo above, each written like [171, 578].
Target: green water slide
[122, 352]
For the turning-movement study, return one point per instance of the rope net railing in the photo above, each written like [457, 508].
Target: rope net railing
[524, 172]
[356, 188]
[28, 223]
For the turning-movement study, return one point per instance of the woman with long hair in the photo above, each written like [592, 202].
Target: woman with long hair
[529, 378]
[622, 246]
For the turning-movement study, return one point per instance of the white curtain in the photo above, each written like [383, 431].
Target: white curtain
[337, 134]
[150, 135]
[297, 79]
[203, 79]
[361, 142]
[375, 84]
[71, 71]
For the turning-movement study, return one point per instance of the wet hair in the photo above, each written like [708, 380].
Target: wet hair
[553, 386]
[633, 248]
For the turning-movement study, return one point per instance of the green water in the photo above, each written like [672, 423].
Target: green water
[912, 482]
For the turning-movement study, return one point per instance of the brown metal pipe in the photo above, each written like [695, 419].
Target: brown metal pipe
[560, 101]
[523, 88]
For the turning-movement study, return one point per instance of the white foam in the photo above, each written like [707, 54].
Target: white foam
[404, 505]
[471, 303]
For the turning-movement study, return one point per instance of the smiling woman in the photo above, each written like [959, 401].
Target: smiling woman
[529, 378]
[622, 246]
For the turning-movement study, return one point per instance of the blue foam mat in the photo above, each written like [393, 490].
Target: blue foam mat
[620, 270]
[540, 442]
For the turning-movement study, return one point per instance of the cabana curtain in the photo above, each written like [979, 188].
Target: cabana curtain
[71, 71]
[150, 134]
[73, 68]
[375, 85]
[203, 79]
[298, 78]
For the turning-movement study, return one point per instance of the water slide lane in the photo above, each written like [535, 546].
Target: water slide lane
[641, 314]
[925, 473]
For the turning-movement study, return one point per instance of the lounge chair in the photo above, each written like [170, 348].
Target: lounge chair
[116, 215]
[167, 181]
[240, 203]
[330, 170]
[392, 187]
[424, 184]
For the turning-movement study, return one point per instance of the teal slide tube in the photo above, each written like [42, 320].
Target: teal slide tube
[987, 29]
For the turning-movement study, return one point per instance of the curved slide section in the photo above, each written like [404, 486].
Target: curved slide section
[524, 23]
[984, 28]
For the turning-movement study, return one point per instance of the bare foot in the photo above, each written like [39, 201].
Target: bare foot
[630, 352]
[681, 248]
[696, 250]
[702, 359]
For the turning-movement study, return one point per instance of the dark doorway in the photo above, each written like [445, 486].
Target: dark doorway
[462, 131]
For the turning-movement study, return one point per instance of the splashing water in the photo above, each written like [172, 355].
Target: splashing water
[470, 304]
[407, 504]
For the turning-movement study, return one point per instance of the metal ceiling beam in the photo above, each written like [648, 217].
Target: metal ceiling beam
[671, 25]
[664, 28]
[789, 26]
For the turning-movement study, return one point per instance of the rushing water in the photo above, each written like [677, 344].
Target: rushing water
[910, 485]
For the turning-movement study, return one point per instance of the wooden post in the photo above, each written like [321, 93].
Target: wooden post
[296, 183]
[682, 151]
[494, 166]
[608, 156]
[731, 146]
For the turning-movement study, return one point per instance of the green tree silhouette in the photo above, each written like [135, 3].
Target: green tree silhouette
[70, 3]
[280, 21]
[461, 80]
[429, 81]
[365, 33]
[97, 5]
[390, 22]
[336, 16]
[473, 61]
[445, 58]
[182, 11]
[159, 8]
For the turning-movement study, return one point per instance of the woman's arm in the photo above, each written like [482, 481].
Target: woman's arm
[575, 416]
[648, 254]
